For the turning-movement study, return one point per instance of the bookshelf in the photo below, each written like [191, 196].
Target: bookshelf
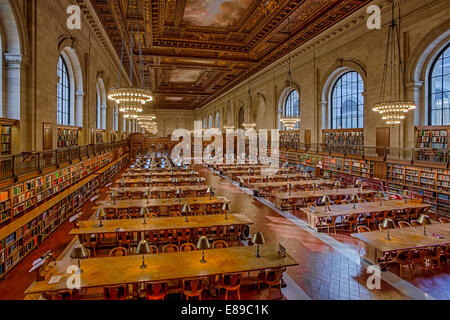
[433, 142]
[67, 137]
[22, 235]
[99, 136]
[290, 139]
[344, 137]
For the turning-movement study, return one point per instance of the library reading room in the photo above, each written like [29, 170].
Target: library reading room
[216, 150]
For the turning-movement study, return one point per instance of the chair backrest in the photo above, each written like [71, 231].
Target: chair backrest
[124, 216]
[118, 252]
[232, 279]
[59, 295]
[152, 215]
[274, 275]
[153, 249]
[170, 248]
[175, 214]
[404, 224]
[115, 292]
[219, 244]
[156, 289]
[193, 285]
[414, 223]
[188, 247]
[362, 229]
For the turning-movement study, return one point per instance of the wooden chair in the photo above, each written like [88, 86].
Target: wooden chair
[110, 213]
[118, 252]
[272, 278]
[156, 290]
[402, 258]
[166, 236]
[116, 292]
[124, 216]
[125, 239]
[170, 248]
[219, 244]
[404, 224]
[362, 229]
[218, 233]
[435, 255]
[414, 223]
[183, 235]
[90, 242]
[231, 283]
[444, 220]
[175, 214]
[351, 221]
[134, 212]
[200, 213]
[188, 247]
[153, 249]
[370, 219]
[192, 287]
[59, 295]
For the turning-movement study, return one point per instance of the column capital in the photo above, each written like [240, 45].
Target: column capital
[79, 94]
[12, 60]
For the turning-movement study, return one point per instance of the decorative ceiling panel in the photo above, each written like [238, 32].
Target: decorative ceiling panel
[194, 50]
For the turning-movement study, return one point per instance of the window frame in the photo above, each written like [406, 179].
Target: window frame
[359, 117]
[289, 101]
[430, 89]
[63, 118]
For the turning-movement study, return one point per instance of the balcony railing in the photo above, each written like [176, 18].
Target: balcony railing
[12, 166]
[413, 155]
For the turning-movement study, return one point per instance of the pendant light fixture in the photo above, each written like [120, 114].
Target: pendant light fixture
[249, 125]
[131, 99]
[392, 106]
[289, 122]
[228, 124]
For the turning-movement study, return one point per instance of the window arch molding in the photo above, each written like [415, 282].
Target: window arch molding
[294, 86]
[102, 107]
[331, 78]
[419, 70]
[70, 57]
[218, 120]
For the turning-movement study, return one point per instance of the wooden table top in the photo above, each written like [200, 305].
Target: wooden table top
[278, 184]
[157, 224]
[367, 207]
[154, 169]
[160, 189]
[160, 202]
[100, 272]
[161, 174]
[320, 193]
[143, 179]
[406, 238]
[273, 176]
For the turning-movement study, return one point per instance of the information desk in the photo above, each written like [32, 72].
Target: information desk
[100, 272]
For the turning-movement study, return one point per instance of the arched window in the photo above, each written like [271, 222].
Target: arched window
[210, 122]
[347, 103]
[205, 124]
[292, 106]
[116, 118]
[218, 120]
[98, 109]
[63, 94]
[241, 118]
[439, 111]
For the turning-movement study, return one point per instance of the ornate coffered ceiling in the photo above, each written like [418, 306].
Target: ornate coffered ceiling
[194, 50]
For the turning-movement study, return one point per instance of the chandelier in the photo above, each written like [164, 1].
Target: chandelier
[228, 126]
[130, 99]
[251, 124]
[289, 122]
[392, 107]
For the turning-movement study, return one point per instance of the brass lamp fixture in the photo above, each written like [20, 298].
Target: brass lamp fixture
[358, 184]
[392, 106]
[143, 248]
[144, 213]
[290, 188]
[380, 196]
[100, 214]
[388, 224]
[113, 196]
[424, 220]
[203, 244]
[315, 186]
[249, 125]
[226, 209]
[187, 211]
[210, 191]
[79, 252]
[178, 194]
[326, 200]
[148, 194]
[258, 239]
[405, 195]
[355, 200]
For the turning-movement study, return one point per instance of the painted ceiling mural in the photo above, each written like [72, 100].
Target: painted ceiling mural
[195, 50]
[214, 13]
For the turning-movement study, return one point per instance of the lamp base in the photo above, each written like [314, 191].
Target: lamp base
[79, 271]
[203, 261]
[143, 266]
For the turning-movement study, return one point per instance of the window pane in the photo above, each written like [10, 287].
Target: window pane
[440, 90]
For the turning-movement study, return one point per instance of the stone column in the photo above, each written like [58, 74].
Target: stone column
[79, 97]
[13, 62]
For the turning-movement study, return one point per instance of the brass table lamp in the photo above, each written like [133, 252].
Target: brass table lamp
[203, 244]
[79, 252]
[187, 211]
[388, 224]
[100, 214]
[143, 249]
[424, 220]
[258, 239]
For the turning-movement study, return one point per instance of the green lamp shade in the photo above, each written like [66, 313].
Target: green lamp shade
[203, 243]
[258, 238]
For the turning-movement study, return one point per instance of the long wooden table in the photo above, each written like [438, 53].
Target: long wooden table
[161, 174]
[101, 272]
[277, 185]
[160, 181]
[159, 224]
[161, 192]
[315, 218]
[154, 169]
[162, 203]
[282, 197]
[376, 246]
[257, 178]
